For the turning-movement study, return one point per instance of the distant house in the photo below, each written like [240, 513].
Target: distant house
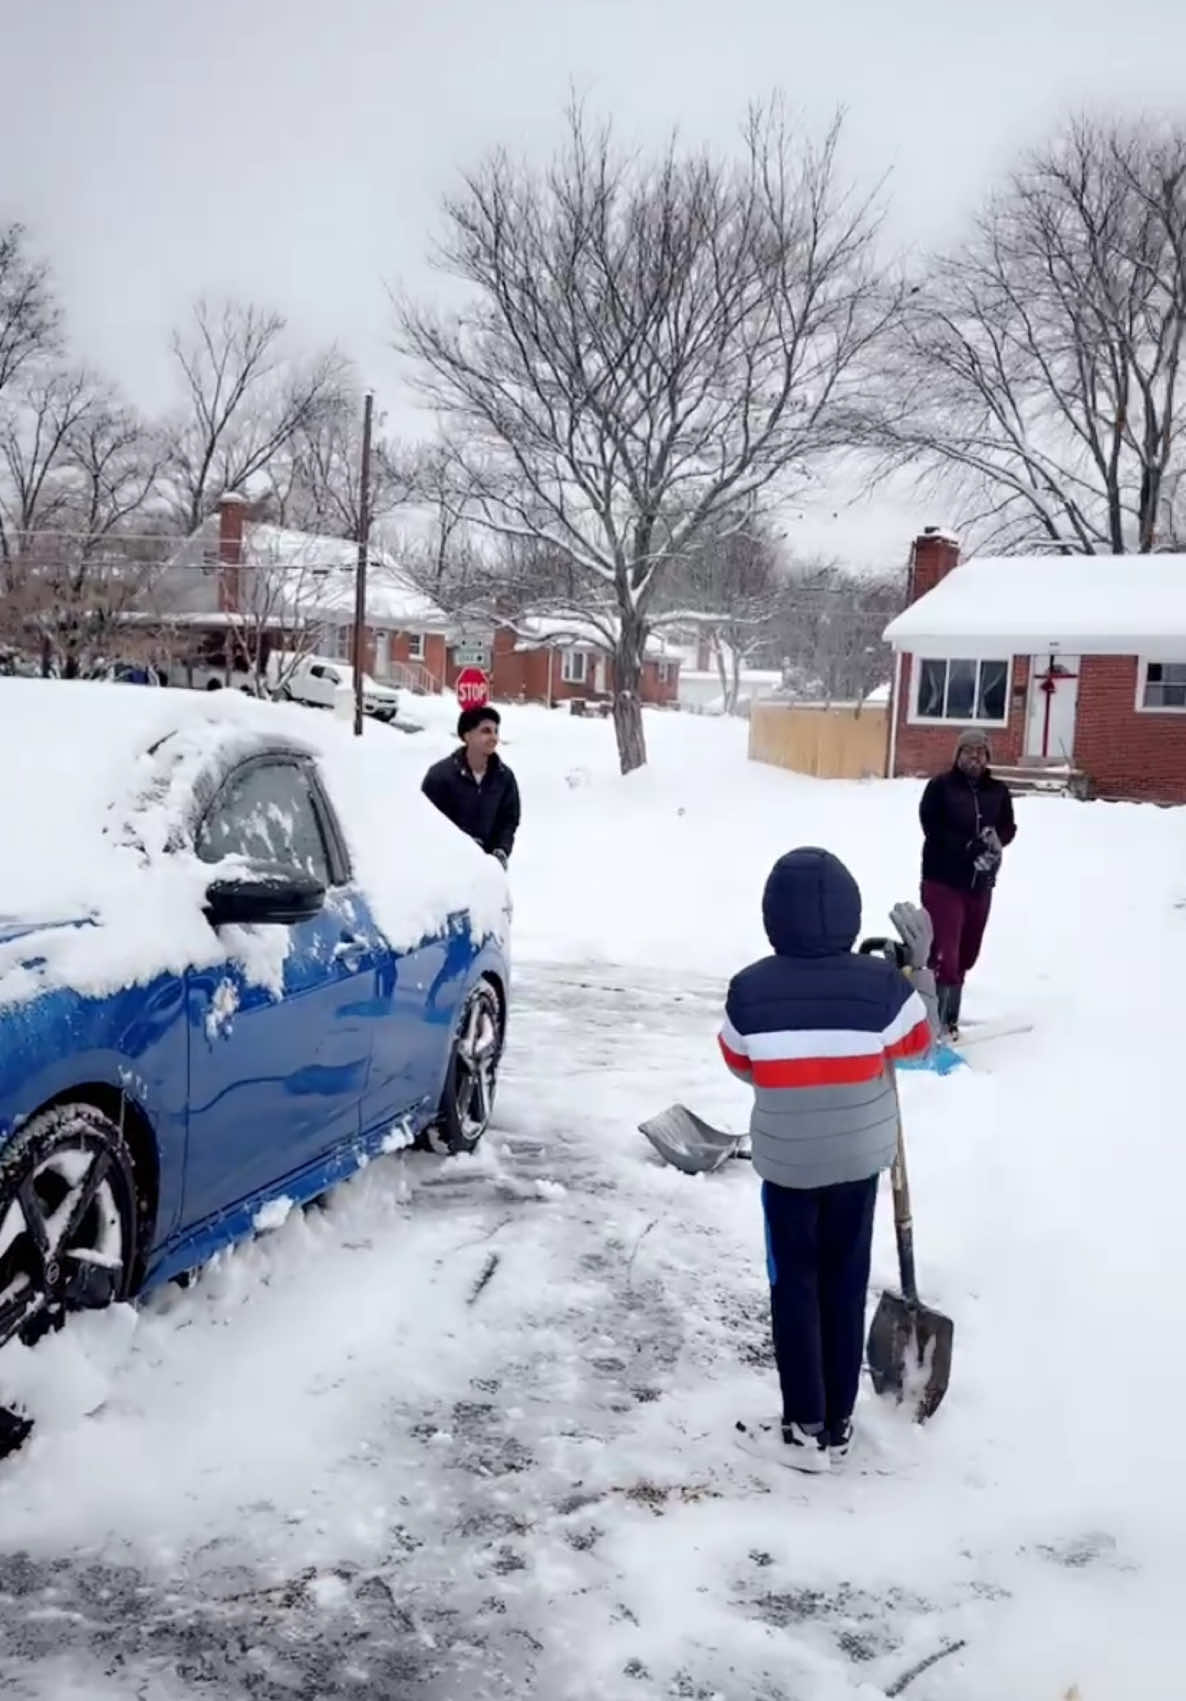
[1074, 665]
[296, 587]
[543, 660]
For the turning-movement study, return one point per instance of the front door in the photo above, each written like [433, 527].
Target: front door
[1053, 700]
[281, 1029]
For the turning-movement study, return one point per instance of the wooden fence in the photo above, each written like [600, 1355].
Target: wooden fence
[831, 741]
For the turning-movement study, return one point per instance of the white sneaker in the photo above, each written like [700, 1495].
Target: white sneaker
[840, 1442]
[785, 1444]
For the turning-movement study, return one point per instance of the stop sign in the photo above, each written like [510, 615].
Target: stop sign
[473, 688]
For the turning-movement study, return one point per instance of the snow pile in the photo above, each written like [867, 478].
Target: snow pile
[97, 783]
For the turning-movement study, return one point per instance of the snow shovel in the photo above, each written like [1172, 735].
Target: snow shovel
[943, 1057]
[682, 1138]
[909, 1346]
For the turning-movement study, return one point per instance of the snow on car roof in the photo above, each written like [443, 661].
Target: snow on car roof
[91, 776]
[1080, 604]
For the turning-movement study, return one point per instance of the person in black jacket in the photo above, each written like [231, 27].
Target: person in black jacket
[967, 820]
[475, 788]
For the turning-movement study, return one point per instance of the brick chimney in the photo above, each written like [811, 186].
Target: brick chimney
[232, 517]
[933, 554]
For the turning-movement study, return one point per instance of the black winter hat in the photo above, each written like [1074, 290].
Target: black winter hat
[469, 719]
[811, 905]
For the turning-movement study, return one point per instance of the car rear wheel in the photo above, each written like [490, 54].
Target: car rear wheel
[467, 1104]
[67, 1227]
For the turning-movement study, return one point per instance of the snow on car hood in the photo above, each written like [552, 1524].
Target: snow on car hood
[11, 929]
[94, 779]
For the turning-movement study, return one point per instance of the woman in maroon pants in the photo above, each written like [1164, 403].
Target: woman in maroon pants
[967, 820]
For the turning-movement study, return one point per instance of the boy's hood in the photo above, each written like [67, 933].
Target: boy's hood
[811, 905]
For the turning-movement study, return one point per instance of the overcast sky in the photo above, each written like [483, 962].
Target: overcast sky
[296, 151]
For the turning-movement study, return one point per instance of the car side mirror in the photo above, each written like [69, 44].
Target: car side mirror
[269, 897]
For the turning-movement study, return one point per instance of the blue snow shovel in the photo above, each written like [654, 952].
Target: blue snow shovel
[943, 1057]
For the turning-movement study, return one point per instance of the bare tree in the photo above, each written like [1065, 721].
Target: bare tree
[30, 321]
[730, 589]
[244, 402]
[828, 628]
[648, 344]
[76, 466]
[436, 544]
[276, 620]
[1041, 361]
[316, 479]
[35, 436]
[96, 600]
[1171, 531]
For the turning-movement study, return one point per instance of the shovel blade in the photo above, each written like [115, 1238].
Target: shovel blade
[682, 1138]
[909, 1353]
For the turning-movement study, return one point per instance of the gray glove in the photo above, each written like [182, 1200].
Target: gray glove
[989, 859]
[915, 930]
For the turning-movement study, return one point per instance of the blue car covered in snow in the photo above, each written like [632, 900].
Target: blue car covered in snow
[244, 955]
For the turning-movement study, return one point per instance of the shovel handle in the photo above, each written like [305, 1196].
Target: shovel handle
[903, 1220]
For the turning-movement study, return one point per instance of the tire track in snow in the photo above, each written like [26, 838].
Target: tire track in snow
[560, 1348]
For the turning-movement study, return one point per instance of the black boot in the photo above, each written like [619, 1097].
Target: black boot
[14, 1428]
[948, 998]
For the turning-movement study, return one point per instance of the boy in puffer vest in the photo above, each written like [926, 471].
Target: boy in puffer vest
[815, 1029]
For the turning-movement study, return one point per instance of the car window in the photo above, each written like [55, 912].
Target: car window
[266, 813]
[317, 672]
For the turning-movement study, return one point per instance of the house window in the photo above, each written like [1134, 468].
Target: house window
[574, 667]
[958, 690]
[415, 646]
[1163, 686]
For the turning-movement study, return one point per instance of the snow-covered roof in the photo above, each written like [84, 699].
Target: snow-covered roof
[537, 632]
[391, 600]
[1076, 604]
[323, 569]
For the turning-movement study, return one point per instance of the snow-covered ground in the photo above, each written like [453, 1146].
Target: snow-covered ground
[465, 1431]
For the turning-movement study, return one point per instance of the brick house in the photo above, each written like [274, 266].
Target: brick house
[297, 588]
[1074, 665]
[555, 661]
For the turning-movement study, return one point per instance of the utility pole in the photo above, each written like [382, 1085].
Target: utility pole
[360, 579]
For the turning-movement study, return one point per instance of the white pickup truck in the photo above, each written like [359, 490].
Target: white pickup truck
[325, 683]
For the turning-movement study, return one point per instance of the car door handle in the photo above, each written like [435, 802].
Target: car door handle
[350, 950]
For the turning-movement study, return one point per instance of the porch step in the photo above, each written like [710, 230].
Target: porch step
[1037, 778]
[410, 676]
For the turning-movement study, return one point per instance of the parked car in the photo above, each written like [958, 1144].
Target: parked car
[214, 994]
[323, 683]
[127, 673]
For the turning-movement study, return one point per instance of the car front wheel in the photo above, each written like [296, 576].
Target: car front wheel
[467, 1104]
[67, 1226]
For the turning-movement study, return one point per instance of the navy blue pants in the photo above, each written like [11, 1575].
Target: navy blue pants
[818, 1246]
